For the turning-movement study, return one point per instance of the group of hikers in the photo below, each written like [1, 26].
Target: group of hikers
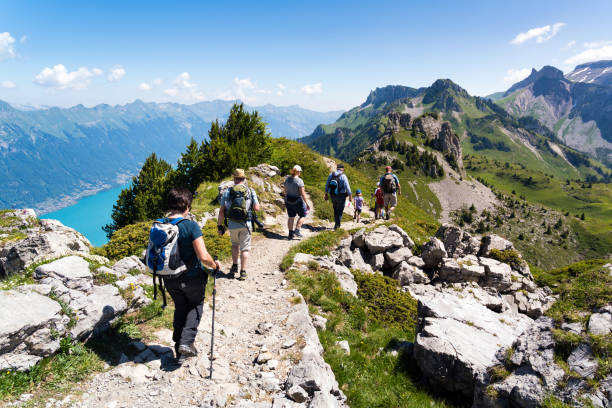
[177, 253]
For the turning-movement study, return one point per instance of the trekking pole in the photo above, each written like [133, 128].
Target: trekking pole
[212, 334]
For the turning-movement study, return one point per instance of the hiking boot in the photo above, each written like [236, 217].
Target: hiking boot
[388, 215]
[233, 270]
[243, 275]
[186, 351]
[297, 233]
[290, 237]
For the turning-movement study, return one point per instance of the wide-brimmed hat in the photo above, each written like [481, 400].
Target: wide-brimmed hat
[239, 173]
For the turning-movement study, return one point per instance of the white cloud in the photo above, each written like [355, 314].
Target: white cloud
[145, 87]
[570, 44]
[281, 90]
[540, 34]
[8, 84]
[60, 78]
[183, 88]
[157, 81]
[116, 73]
[515, 75]
[23, 39]
[7, 50]
[597, 44]
[591, 54]
[312, 89]
[243, 90]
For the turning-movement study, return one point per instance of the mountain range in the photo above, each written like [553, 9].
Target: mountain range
[52, 156]
[576, 107]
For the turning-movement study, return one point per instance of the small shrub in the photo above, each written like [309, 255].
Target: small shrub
[498, 373]
[127, 241]
[386, 303]
[508, 256]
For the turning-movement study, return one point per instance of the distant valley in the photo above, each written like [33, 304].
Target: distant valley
[51, 157]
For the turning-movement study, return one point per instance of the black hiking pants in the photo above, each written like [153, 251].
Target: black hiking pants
[338, 202]
[188, 297]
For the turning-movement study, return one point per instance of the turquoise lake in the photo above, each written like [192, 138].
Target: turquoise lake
[89, 215]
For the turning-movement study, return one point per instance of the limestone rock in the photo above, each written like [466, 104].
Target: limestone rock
[344, 345]
[382, 239]
[377, 261]
[600, 323]
[494, 241]
[396, 256]
[433, 252]
[408, 242]
[451, 236]
[582, 361]
[458, 339]
[498, 275]
[359, 238]
[51, 240]
[126, 265]
[30, 324]
[409, 274]
[18, 362]
[72, 271]
[95, 310]
[344, 275]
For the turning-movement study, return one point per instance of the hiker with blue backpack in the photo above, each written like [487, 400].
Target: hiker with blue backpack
[237, 206]
[338, 187]
[178, 257]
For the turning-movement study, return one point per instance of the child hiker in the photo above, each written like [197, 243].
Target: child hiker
[358, 206]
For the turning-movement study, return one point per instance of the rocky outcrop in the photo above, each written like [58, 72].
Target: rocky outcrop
[67, 301]
[398, 121]
[471, 308]
[447, 142]
[41, 240]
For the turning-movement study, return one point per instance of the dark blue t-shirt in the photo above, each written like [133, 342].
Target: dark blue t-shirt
[188, 232]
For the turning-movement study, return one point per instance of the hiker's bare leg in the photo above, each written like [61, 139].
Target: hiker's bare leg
[300, 222]
[244, 258]
[235, 253]
[290, 223]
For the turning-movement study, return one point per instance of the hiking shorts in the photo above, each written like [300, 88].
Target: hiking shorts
[297, 208]
[241, 237]
[390, 199]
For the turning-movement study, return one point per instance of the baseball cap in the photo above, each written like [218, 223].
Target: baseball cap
[340, 166]
[297, 168]
[388, 168]
[358, 191]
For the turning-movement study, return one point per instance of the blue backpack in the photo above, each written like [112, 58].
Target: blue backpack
[334, 184]
[163, 255]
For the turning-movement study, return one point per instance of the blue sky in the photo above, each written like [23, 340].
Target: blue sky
[321, 55]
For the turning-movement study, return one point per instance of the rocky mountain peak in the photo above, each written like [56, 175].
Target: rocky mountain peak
[547, 75]
[388, 94]
[6, 107]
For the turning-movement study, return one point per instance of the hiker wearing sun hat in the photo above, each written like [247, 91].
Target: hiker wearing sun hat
[295, 201]
[237, 205]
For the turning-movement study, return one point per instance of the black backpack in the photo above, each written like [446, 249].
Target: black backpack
[334, 184]
[389, 184]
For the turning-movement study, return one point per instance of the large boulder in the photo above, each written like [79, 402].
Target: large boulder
[72, 271]
[383, 239]
[50, 240]
[494, 241]
[534, 372]
[408, 242]
[396, 256]
[498, 275]
[458, 339]
[95, 310]
[433, 252]
[408, 274]
[451, 236]
[30, 324]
